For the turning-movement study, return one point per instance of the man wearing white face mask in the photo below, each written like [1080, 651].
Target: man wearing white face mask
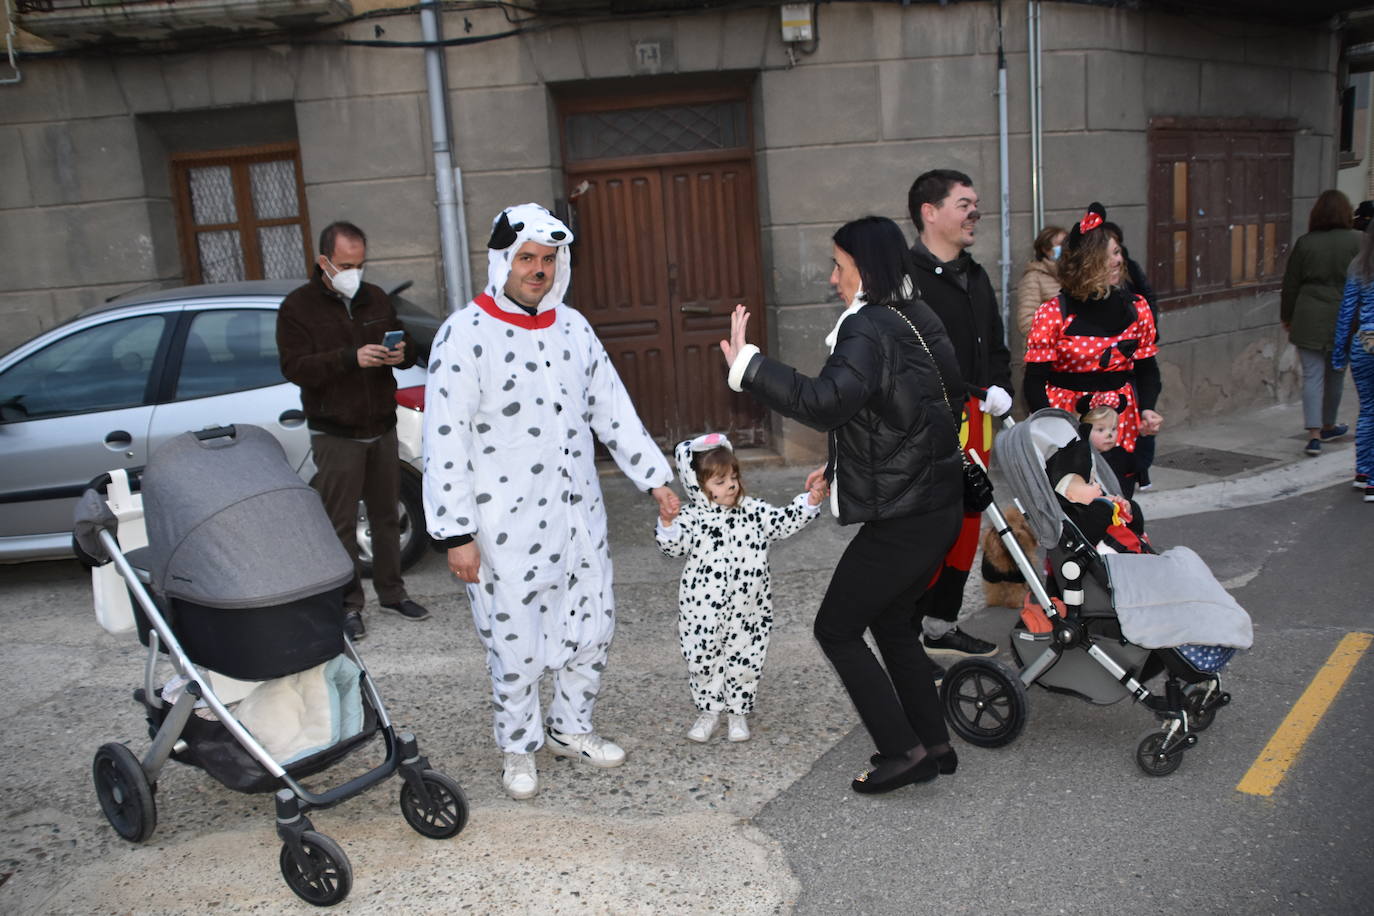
[329, 337]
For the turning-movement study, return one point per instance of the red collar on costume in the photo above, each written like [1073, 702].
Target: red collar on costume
[528, 322]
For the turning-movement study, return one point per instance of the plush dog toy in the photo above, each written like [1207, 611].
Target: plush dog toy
[1004, 585]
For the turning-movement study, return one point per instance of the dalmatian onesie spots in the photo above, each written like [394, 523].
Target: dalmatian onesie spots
[512, 401]
[725, 598]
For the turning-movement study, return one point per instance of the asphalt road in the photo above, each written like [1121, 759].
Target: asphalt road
[1061, 820]
[1058, 821]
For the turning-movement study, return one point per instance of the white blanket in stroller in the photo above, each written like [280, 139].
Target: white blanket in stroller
[1172, 599]
[306, 712]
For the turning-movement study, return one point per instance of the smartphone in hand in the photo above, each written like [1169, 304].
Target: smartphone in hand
[392, 338]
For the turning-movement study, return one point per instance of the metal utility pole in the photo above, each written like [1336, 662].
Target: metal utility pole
[452, 233]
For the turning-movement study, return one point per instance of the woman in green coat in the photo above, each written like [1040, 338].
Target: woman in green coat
[1312, 286]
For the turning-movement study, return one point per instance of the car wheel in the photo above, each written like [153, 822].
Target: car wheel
[410, 510]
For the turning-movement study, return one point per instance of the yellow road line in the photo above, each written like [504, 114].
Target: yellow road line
[1278, 755]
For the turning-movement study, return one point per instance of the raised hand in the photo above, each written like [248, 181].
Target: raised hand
[739, 323]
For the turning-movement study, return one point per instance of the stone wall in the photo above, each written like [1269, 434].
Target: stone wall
[888, 92]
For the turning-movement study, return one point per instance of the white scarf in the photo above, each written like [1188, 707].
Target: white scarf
[855, 304]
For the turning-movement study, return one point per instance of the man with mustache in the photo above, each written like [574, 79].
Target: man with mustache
[944, 207]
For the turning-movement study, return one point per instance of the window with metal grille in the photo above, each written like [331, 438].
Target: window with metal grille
[655, 131]
[241, 214]
[1220, 207]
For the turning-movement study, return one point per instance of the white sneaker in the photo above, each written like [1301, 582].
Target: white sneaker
[703, 727]
[590, 747]
[739, 728]
[519, 776]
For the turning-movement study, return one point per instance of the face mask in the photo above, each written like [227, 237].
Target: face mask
[1055, 251]
[346, 282]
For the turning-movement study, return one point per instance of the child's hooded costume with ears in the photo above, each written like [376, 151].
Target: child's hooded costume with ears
[725, 598]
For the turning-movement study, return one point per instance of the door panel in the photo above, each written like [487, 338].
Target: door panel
[621, 286]
[664, 254]
[713, 258]
[49, 462]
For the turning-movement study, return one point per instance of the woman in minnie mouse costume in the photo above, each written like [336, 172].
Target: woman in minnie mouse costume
[1095, 338]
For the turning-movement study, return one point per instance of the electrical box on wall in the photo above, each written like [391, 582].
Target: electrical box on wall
[796, 22]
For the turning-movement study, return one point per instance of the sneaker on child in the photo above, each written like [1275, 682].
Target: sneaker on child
[591, 747]
[739, 728]
[703, 727]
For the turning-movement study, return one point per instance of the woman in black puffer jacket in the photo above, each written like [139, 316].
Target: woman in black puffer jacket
[894, 466]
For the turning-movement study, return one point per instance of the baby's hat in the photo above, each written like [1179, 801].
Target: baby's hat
[683, 453]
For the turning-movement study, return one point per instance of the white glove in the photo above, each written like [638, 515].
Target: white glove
[997, 402]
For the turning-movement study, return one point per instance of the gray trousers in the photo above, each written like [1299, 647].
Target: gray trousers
[1321, 388]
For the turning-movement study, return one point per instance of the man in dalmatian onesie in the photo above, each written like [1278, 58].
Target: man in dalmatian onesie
[518, 383]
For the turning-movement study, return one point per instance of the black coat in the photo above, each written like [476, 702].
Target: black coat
[893, 439]
[961, 295]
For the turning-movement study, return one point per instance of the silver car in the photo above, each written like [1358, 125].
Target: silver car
[106, 388]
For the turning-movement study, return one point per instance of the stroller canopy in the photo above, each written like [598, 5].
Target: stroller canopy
[1022, 452]
[231, 525]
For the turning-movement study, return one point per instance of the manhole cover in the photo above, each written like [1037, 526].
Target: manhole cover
[1212, 461]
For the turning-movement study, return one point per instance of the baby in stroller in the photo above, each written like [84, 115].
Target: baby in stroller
[1113, 524]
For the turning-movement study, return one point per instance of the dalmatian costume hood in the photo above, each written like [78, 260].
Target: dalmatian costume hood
[511, 405]
[725, 597]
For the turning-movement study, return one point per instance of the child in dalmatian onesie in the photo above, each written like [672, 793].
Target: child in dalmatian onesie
[518, 383]
[725, 598]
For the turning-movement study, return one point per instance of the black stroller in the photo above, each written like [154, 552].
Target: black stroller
[242, 581]
[1098, 627]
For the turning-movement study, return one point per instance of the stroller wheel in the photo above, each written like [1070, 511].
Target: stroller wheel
[125, 795]
[446, 813]
[1200, 714]
[1151, 756]
[325, 878]
[984, 702]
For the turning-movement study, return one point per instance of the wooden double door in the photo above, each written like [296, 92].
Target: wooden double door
[663, 254]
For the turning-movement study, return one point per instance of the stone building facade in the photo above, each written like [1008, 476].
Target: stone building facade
[837, 128]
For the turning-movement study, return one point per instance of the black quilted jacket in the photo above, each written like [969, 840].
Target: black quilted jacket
[893, 446]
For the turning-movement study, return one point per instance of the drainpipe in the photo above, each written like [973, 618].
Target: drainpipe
[1036, 115]
[452, 233]
[9, 45]
[1004, 155]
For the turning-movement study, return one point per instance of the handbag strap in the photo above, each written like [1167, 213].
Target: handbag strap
[959, 446]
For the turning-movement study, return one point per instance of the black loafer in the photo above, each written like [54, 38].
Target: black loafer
[893, 774]
[948, 762]
[353, 625]
[410, 610]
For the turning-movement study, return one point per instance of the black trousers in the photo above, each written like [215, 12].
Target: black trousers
[875, 586]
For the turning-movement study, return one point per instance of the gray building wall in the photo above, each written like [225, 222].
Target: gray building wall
[888, 92]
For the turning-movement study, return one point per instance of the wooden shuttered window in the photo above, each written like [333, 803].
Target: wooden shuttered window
[241, 214]
[1220, 207]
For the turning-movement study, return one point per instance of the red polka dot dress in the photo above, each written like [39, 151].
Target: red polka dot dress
[1089, 353]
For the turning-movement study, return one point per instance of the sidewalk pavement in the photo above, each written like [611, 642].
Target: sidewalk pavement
[672, 831]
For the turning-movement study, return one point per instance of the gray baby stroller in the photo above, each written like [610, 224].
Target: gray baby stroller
[240, 589]
[1098, 626]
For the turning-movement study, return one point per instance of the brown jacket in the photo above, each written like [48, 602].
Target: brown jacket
[318, 340]
[1039, 283]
